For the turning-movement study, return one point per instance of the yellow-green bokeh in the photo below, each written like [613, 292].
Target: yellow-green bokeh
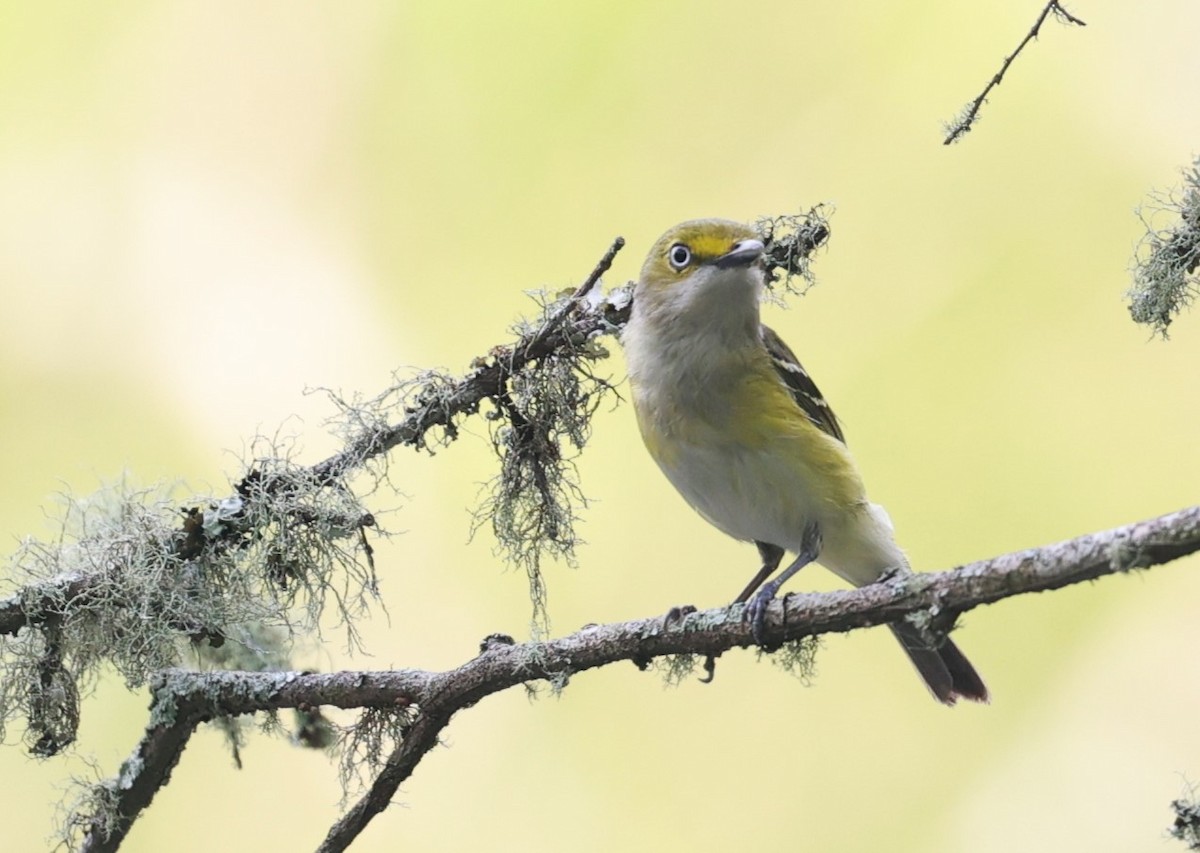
[207, 208]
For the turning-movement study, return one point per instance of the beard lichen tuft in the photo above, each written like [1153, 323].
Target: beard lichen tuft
[108, 591]
[127, 586]
[540, 423]
[364, 746]
[798, 658]
[93, 814]
[790, 242]
[417, 410]
[1165, 280]
[674, 669]
[306, 536]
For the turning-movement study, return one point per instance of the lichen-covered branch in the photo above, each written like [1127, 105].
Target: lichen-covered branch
[133, 582]
[965, 121]
[436, 403]
[142, 582]
[429, 700]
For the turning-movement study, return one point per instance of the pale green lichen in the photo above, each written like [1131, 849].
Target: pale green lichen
[798, 658]
[1165, 278]
[540, 423]
[675, 669]
[93, 813]
[364, 747]
[283, 553]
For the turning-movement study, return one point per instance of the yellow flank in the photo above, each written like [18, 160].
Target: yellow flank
[663, 447]
[751, 411]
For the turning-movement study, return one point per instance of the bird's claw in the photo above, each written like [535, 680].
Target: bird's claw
[677, 614]
[755, 612]
[890, 574]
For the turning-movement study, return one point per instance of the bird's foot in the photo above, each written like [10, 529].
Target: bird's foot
[677, 614]
[755, 611]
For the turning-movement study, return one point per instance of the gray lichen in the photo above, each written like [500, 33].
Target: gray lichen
[790, 243]
[1165, 280]
[157, 591]
[366, 745]
[798, 658]
[540, 423]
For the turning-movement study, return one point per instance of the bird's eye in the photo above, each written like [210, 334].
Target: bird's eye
[679, 256]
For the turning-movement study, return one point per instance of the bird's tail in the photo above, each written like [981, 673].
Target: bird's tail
[946, 670]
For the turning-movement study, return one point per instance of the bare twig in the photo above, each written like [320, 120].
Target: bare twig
[966, 120]
[188, 698]
[552, 325]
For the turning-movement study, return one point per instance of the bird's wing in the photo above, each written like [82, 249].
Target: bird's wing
[805, 392]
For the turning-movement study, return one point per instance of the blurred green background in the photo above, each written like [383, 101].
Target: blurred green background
[207, 207]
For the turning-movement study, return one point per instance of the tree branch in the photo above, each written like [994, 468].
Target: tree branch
[790, 242]
[568, 329]
[966, 120]
[184, 699]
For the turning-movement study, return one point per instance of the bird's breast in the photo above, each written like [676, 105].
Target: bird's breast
[748, 460]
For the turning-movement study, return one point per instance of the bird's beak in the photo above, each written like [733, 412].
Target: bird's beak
[743, 254]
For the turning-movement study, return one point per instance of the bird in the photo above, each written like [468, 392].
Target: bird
[742, 432]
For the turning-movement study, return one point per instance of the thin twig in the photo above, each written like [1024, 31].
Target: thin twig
[602, 266]
[193, 697]
[488, 380]
[967, 119]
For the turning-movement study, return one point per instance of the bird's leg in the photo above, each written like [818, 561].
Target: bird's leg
[771, 555]
[756, 610]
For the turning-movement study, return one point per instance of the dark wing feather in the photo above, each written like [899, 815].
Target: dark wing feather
[803, 389]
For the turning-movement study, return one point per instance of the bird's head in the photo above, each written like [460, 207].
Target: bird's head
[702, 268]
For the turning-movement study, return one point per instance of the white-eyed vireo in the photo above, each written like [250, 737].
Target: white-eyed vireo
[742, 432]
